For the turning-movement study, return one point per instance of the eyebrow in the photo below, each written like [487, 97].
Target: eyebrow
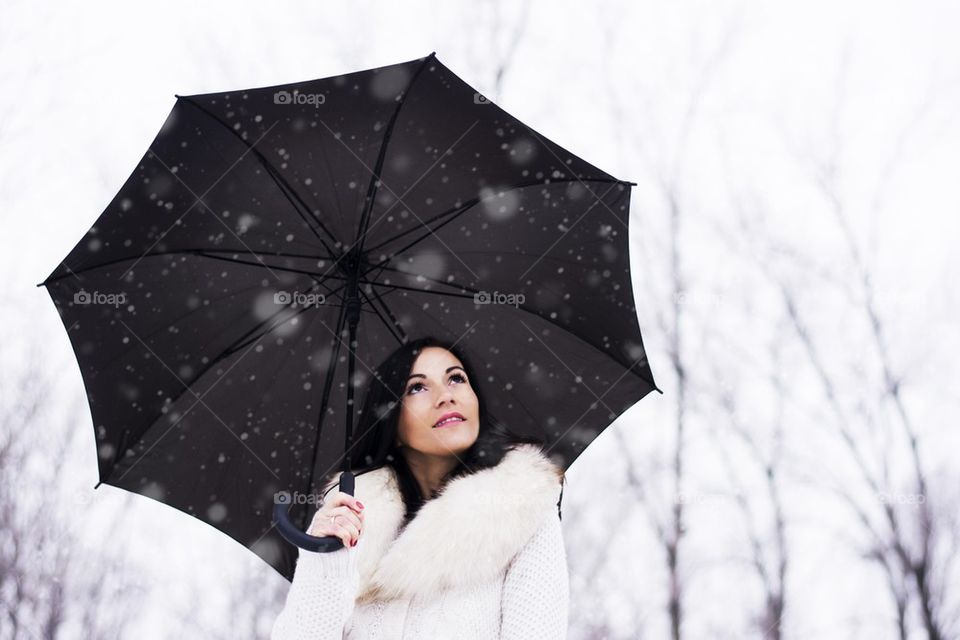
[449, 369]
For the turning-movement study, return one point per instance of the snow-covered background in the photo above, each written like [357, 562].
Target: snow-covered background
[793, 243]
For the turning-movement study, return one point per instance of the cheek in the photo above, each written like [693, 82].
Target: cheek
[408, 418]
[413, 411]
[469, 399]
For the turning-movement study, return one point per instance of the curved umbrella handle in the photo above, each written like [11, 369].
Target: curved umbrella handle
[290, 533]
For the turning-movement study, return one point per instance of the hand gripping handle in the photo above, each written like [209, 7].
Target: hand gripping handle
[291, 534]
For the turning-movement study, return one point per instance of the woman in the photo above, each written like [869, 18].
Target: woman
[454, 530]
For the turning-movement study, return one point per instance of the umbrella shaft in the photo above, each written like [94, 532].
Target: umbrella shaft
[352, 309]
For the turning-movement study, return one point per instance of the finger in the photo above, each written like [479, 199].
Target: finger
[316, 527]
[348, 508]
[347, 532]
[316, 524]
[336, 531]
[344, 516]
[342, 529]
[343, 513]
[348, 500]
[322, 523]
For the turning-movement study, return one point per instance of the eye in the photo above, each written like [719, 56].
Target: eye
[460, 376]
[413, 386]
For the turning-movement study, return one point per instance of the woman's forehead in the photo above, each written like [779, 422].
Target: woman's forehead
[436, 358]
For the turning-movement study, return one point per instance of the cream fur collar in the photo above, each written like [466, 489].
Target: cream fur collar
[468, 534]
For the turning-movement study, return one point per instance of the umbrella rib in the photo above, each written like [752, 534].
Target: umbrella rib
[393, 318]
[572, 263]
[453, 213]
[398, 287]
[245, 186]
[330, 180]
[382, 154]
[392, 328]
[516, 398]
[285, 188]
[462, 208]
[237, 345]
[233, 348]
[254, 338]
[468, 206]
[325, 397]
[204, 253]
[251, 335]
[214, 361]
[167, 325]
[324, 276]
[518, 306]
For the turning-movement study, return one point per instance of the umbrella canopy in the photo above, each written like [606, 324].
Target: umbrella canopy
[207, 304]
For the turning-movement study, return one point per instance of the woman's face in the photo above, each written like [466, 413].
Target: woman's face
[438, 386]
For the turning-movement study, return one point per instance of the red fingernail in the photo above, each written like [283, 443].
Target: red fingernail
[353, 544]
[359, 504]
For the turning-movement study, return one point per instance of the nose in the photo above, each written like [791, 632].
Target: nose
[445, 395]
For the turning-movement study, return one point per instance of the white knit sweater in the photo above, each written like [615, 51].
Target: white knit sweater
[483, 560]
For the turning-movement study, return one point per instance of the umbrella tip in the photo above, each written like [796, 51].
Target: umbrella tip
[40, 284]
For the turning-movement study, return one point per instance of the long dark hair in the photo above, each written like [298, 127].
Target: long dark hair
[377, 424]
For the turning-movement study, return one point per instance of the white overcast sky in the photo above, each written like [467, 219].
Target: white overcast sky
[86, 86]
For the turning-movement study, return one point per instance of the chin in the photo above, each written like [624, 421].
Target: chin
[457, 441]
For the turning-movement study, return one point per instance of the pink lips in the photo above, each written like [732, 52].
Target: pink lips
[452, 414]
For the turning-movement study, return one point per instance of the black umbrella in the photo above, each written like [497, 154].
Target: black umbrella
[210, 304]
